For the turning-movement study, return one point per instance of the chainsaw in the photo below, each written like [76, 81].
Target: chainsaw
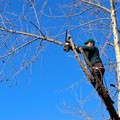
[67, 45]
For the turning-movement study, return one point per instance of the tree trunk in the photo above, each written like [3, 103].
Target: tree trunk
[117, 48]
[100, 89]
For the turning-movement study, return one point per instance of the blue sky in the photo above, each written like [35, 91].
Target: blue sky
[57, 84]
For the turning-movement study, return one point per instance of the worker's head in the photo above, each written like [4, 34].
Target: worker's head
[89, 42]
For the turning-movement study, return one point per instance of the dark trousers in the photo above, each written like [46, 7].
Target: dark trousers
[98, 71]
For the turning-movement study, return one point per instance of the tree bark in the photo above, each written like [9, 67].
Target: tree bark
[117, 47]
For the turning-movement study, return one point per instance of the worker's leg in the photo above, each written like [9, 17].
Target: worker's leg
[99, 71]
[98, 74]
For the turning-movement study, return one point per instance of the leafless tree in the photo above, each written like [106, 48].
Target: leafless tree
[25, 33]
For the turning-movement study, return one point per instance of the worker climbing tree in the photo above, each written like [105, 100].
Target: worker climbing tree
[94, 63]
[92, 54]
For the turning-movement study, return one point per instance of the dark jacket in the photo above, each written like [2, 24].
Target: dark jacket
[92, 53]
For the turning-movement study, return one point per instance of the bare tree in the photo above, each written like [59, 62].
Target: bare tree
[24, 34]
[19, 32]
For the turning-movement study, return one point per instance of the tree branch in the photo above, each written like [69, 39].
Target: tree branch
[79, 60]
[10, 53]
[31, 35]
[83, 24]
[97, 5]
[109, 43]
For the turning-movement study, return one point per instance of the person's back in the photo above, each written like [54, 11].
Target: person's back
[91, 53]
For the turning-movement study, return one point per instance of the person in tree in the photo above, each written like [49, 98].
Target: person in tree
[92, 54]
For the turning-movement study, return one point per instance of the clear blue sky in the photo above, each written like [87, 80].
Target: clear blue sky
[49, 94]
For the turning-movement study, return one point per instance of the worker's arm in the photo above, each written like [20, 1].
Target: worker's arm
[85, 48]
